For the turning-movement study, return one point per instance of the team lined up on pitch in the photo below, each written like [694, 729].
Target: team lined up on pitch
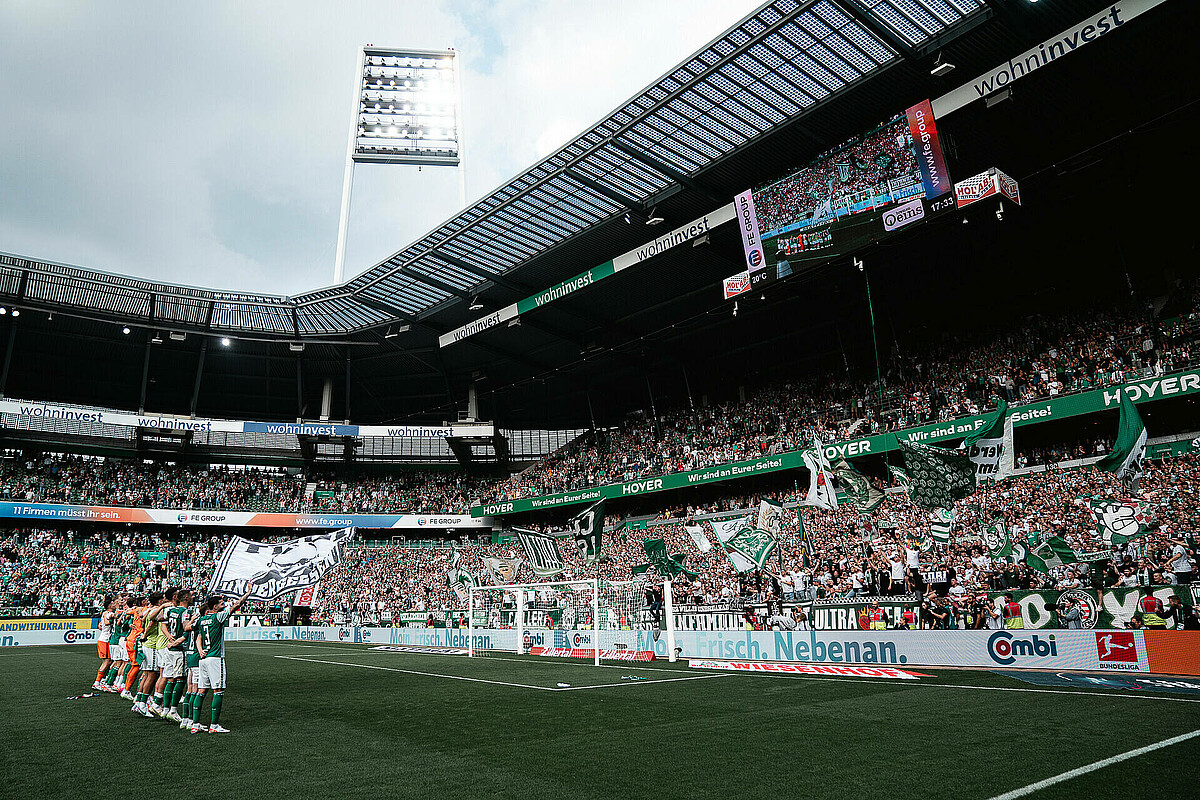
[173, 652]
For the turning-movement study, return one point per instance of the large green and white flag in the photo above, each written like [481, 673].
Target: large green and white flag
[1119, 521]
[1047, 552]
[901, 478]
[990, 448]
[860, 491]
[995, 536]
[586, 530]
[753, 544]
[725, 530]
[502, 570]
[1130, 449]
[942, 525]
[820, 478]
[460, 580]
[656, 553]
[939, 476]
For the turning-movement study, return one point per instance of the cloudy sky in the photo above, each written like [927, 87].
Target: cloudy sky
[204, 143]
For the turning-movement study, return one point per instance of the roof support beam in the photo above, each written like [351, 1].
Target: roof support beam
[881, 31]
[603, 190]
[145, 379]
[199, 374]
[499, 280]
[668, 170]
[435, 283]
[8, 351]
[471, 342]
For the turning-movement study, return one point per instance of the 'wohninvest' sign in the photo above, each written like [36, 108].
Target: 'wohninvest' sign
[1044, 54]
[28, 414]
[681, 235]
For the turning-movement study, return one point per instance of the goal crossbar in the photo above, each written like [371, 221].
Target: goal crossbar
[519, 590]
[612, 606]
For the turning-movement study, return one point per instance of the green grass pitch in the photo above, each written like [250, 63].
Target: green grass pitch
[336, 720]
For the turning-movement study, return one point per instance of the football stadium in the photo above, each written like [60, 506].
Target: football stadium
[822, 419]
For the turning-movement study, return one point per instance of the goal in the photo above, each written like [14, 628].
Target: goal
[584, 619]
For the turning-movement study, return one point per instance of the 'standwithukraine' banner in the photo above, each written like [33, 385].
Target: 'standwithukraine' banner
[1143, 391]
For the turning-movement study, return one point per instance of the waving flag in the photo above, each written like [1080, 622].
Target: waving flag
[1119, 521]
[820, 482]
[587, 529]
[276, 568]
[1130, 449]
[939, 476]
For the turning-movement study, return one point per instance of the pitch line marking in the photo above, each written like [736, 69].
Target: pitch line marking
[916, 685]
[496, 683]
[412, 672]
[1095, 765]
[633, 683]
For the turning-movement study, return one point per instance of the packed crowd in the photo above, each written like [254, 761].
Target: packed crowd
[851, 554]
[67, 572]
[847, 554]
[116, 482]
[1039, 360]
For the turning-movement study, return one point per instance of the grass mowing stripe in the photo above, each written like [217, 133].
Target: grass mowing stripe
[413, 672]
[1095, 765]
[500, 683]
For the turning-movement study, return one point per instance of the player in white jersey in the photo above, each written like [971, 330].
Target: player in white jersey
[102, 636]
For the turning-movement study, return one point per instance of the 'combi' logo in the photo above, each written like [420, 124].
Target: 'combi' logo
[70, 636]
[1004, 649]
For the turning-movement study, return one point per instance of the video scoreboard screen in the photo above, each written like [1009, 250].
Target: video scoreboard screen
[857, 193]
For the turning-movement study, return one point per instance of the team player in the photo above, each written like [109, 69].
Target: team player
[102, 637]
[210, 630]
[146, 641]
[137, 620]
[191, 669]
[174, 621]
[116, 648]
[160, 655]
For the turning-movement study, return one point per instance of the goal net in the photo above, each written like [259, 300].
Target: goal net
[567, 618]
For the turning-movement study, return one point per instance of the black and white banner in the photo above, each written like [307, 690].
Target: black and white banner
[542, 552]
[276, 568]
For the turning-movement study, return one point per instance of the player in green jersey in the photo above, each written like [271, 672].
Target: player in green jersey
[174, 620]
[191, 664]
[150, 666]
[210, 629]
[116, 645]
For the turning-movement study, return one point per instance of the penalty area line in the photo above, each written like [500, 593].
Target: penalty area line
[497, 683]
[1095, 765]
[414, 672]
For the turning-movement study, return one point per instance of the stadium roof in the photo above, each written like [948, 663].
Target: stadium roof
[772, 67]
[678, 147]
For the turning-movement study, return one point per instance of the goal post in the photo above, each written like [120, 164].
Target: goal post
[591, 618]
[574, 605]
